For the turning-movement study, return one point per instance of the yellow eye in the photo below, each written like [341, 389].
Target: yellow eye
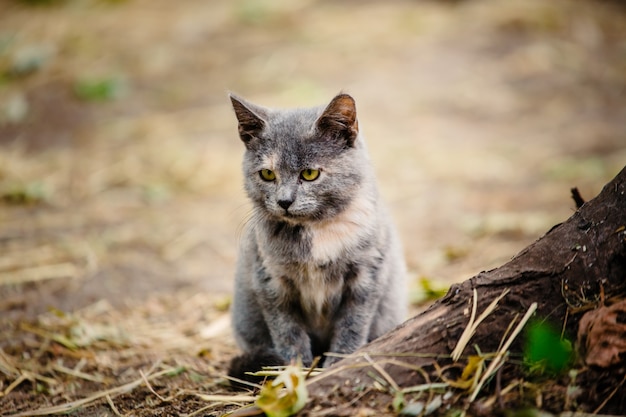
[310, 174]
[267, 175]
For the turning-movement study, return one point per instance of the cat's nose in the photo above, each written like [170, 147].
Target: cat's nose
[285, 203]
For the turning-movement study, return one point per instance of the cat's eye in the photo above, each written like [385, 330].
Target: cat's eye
[267, 175]
[310, 174]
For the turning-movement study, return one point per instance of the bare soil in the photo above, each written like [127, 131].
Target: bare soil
[120, 188]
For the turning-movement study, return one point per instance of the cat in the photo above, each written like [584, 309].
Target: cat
[320, 266]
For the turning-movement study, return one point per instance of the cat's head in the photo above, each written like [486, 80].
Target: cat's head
[302, 165]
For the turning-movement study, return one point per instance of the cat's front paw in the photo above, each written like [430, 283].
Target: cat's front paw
[292, 355]
[330, 360]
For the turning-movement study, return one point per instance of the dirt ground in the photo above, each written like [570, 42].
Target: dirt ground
[120, 188]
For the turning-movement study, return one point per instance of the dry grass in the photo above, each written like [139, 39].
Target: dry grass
[108, 352]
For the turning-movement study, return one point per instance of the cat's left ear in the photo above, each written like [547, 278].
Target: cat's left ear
[251, 119]
[339, 119]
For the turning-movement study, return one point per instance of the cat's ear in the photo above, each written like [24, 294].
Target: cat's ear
[339, 119]
[251, 119]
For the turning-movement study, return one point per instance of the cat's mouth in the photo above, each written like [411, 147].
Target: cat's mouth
[291, 215]
[294, 214]
[294, 217]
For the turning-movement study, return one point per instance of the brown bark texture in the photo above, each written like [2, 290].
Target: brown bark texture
[575, 267]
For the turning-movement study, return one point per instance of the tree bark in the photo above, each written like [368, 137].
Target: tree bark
[575, 266]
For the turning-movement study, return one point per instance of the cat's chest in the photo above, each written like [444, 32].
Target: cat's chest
[309, 263]
[334, 240]
[345, 234]
[316, 288]
[311, 247]
[319, 290]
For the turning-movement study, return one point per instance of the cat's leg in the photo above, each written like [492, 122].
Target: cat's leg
[289, 337]
[249, 326]
[250, 329]
[265, 314]
[392, 308]
[268, 336]
[252, 335]
[356, 313]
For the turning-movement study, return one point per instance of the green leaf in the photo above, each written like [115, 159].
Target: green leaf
[99, 89]
[398, 401]
[546, 350]
[428, 290]
[22, 194]
[177, 371]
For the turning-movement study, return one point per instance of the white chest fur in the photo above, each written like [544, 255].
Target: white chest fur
[316, 291]
[337, 237]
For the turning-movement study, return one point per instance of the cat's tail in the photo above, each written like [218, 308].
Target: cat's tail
[252, 361]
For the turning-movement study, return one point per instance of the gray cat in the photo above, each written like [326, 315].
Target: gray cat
[320, 266]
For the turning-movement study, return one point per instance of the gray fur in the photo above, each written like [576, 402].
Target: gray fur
[327, 273]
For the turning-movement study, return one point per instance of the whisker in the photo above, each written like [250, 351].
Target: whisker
[254, 217]
[245, 218]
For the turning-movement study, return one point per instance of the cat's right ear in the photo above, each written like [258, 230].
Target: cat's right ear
[251, 119]
[339, 119]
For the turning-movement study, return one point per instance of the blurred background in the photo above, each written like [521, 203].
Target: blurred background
[120, 161]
